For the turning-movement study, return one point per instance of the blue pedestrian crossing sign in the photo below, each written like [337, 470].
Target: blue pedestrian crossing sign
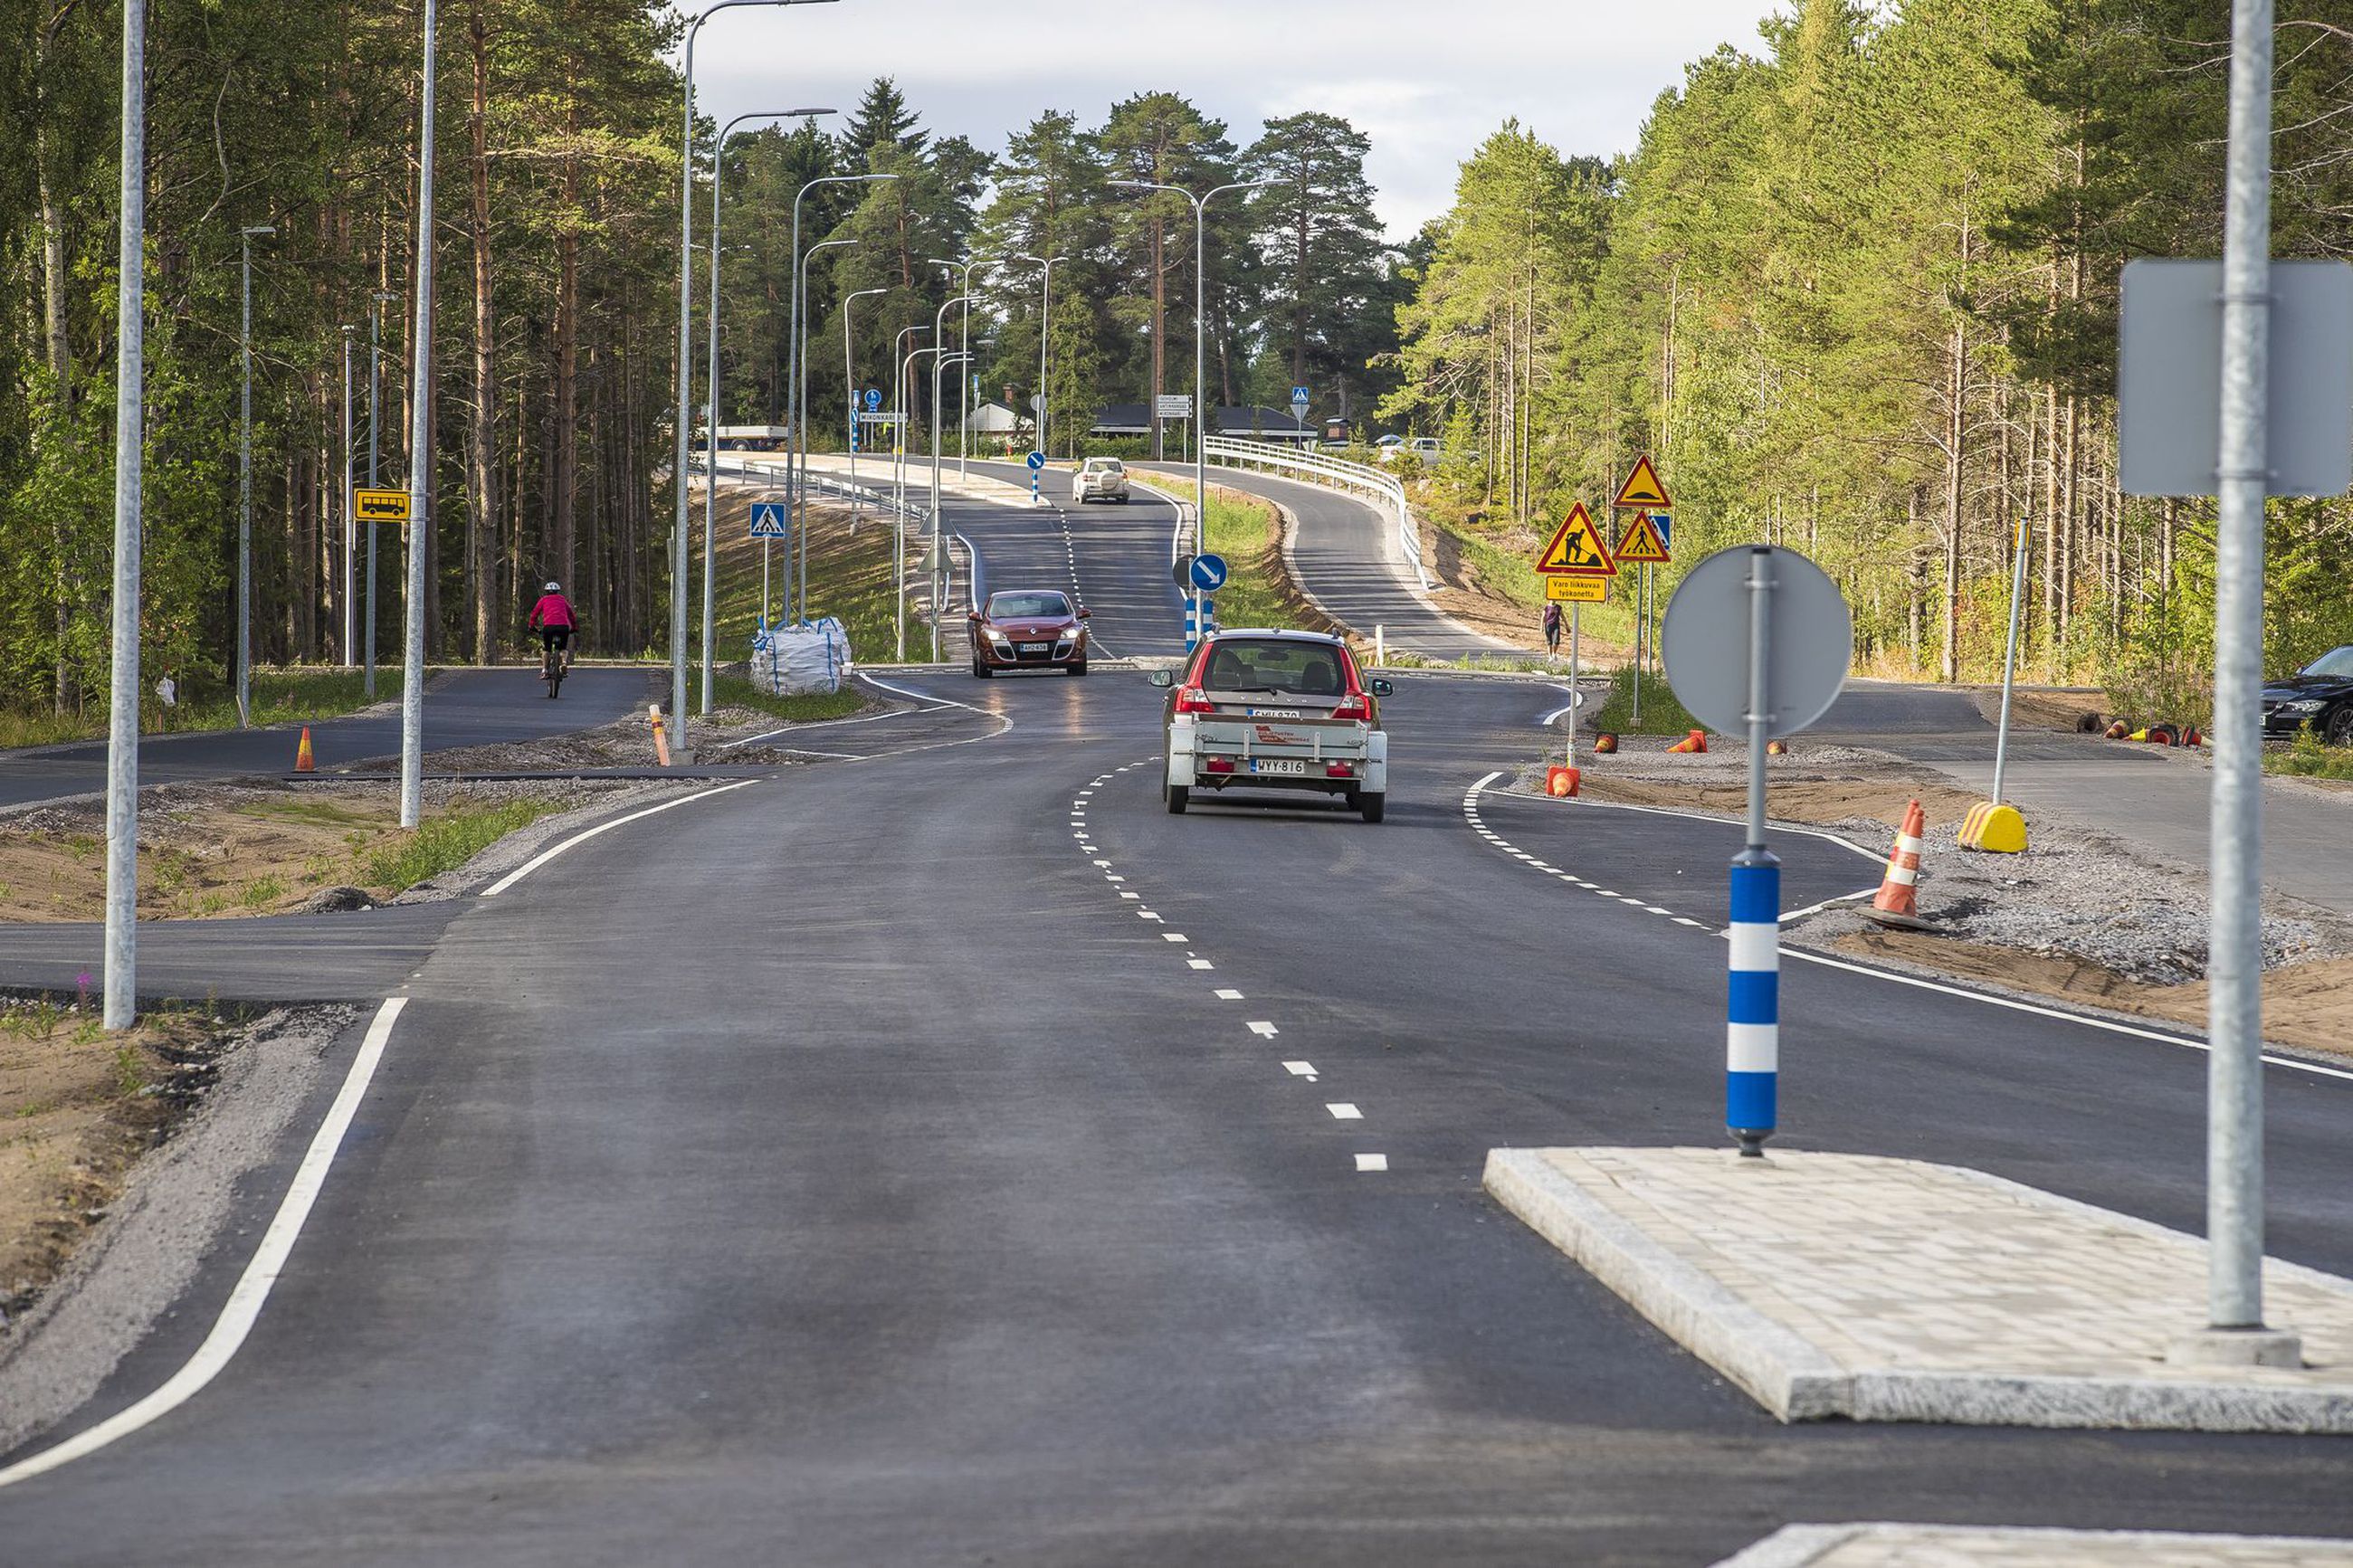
[1037, 460]
[767, 520]
[873, 398]
[1299, 401]
[1208, 573]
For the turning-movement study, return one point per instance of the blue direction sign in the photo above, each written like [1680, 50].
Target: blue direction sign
[1037, 460]
[767, 520]
[873, 399]
[1208, 573]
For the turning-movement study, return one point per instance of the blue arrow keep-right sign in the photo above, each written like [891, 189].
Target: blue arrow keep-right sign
[1208, 573]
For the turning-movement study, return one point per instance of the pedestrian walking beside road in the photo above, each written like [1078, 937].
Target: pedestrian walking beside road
[1552, 629]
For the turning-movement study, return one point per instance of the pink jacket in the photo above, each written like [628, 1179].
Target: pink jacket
[553, 610]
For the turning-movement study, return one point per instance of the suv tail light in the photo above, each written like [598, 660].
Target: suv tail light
[1354, 706]
[1190, 699]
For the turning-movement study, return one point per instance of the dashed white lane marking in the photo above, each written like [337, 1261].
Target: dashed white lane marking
[1343, 1112]
[1228, 993]
[544, 855]
[1124, 894]
[252, 1290]
[1174, 936]
[1200, 963]
[1372, 1162]
[1300, 1069]
[1264, 1028]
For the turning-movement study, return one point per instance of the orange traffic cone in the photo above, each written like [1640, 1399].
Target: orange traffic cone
[1898, 903]
[1694, 741]
[2118, 731]
[1604, 744]
[303, 762]
[1561, 782]
[1777, 748]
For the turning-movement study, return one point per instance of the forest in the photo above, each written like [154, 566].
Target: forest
[1855, 288]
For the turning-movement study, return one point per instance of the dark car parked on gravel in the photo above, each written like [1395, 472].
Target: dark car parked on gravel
[2320, 695]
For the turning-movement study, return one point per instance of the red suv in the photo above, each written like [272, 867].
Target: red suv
[1029, 629]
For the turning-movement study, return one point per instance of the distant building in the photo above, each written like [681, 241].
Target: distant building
[994, 418]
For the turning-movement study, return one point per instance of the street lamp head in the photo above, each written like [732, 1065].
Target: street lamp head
[805, 113]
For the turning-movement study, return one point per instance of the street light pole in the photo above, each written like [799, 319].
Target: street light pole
[244, 481]
[1045, 318]
[940, 362]
[900, 396]
[420, 455]
[849, 389]
[682, 447]
[1200, 340]
[122, 1001]
[350, 527]
[376, 381]
[711, 383]
[796, 447]
[798, 543]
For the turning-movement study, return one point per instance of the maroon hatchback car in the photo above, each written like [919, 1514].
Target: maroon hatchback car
[1029, 629]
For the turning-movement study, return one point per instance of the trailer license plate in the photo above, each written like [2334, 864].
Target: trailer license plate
[1277, 766]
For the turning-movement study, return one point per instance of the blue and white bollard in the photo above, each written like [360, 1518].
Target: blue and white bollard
[1752, 1042]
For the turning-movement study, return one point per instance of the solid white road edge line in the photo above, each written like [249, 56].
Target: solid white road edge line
[244, 1302]
[544, 855]
[1990, 998]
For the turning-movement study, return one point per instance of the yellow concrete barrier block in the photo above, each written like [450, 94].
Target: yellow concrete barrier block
[1996, 829]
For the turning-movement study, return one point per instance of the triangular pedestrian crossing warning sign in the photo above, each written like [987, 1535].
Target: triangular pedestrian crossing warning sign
[1577, 550]
[1642, 487]
[1642, 544]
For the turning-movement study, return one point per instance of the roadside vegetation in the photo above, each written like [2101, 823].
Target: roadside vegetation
[1662, 713]
[1258, 591]
[217, 850]
[2307, 757]
[77, 1107]
[280, 697]
[737, 691]
[850, 576]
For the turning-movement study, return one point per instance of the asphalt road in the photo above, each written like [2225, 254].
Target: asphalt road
[462, 708]
[844, 1171]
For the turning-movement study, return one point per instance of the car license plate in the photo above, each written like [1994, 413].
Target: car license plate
[1037, 647]
[1277, 766]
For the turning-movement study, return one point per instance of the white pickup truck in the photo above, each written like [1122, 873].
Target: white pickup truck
[1265, 709]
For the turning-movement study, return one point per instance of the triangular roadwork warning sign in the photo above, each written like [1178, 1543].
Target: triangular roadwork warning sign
[1642, 544]
[1577, 550]
[1642, 487]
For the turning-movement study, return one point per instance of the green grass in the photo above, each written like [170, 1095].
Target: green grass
[849, 577]
[448, 842]
[1250, 536]
[2307, 757]
[280, 697]
[1662, 714]
[737, 691]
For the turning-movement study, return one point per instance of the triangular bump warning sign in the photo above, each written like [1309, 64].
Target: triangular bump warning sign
[1642, 544]
[1577, 550]
[1642, 487]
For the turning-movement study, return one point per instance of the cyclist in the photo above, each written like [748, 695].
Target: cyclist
[555, 621]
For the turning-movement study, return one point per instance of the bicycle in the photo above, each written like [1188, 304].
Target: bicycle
[554, 663]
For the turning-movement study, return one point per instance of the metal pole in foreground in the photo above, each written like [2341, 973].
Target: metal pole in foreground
[245, 479]
[351, 528]
[2009, 657]
[940, 362]
[122, 1002]
[2234, 1097]
[1576, 661]
[1752, 1045]
[420, 457]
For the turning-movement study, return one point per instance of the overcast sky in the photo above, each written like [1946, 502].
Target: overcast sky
[1425, 81]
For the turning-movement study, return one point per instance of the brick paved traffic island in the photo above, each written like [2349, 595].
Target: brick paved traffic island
[1963, 1546]
[1884, 1289]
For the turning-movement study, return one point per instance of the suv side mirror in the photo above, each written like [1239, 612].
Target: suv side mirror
[1383, 689]
[1163, 679]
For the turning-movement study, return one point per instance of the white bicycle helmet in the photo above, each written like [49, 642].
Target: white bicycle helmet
[553, 588]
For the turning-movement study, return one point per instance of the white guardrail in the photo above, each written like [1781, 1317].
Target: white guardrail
[1268, 457]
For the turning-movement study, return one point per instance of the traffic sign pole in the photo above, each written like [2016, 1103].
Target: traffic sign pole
[1752, 1044]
